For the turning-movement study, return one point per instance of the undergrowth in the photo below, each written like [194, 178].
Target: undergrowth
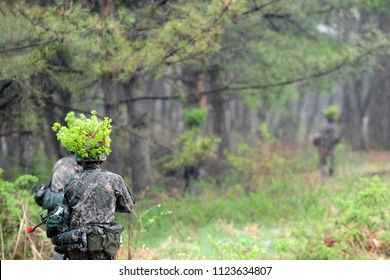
[289, 215]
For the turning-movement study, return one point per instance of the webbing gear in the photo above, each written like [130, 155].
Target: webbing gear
[92, 238]
[58, 221]
[71, 240]
[79, 192]
[104, 237]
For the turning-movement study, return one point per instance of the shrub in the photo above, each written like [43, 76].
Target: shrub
[195, 117]
[362, 222]
[259, 164]
[16, 205]
[192, 148]
[87, 138]
[358, 230]
[247, 248]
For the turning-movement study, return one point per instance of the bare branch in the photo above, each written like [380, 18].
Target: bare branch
[31, 45]
[259, 8]
[7, 133]
[70, 108]
[142, 98]
[64, 69]
[315, 75]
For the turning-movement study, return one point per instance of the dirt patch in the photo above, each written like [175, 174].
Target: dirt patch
[374, 156]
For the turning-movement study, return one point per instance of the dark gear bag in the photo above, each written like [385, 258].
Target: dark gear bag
[70, 240]
[58, 221]
[317, 141]
[39, 194]
[51, 199]
[104, 237]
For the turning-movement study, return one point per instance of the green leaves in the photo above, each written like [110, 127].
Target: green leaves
[359, 228]
[88, 138]
[195, 117]
[359, 212]
[332, 112]
[15, 200]
[192, 148]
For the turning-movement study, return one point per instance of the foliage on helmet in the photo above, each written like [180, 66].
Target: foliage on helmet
[332, 112]
[195, 116]
[87, 138]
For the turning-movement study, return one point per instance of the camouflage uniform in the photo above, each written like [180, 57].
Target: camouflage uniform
[326, 141]
[191, 176]
[62, 170]
[106, 194]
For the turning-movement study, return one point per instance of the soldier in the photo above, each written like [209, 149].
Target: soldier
[191, 175]
[51, 194]
[192, 150]
[62, 170]
[326, 140]
[92, 196]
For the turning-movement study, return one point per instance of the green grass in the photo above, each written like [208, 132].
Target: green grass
[231, 224]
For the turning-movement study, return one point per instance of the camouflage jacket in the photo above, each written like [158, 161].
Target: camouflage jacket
[106, 194]
[329, 136]
[62, 170]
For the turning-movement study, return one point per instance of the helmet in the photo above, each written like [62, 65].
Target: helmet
[80, 160]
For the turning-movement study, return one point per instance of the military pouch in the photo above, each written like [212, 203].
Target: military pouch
[104, 237]
[51, 199]
[58, 221]
[317, 141]
[71, 240]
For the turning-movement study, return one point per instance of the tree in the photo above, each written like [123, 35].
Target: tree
[254, 51]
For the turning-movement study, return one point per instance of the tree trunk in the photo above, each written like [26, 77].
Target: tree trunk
[379, 112]
[111, 107]
[218, 114]
[353, 114]
[311, 116]
[26, 151]
[139, 155]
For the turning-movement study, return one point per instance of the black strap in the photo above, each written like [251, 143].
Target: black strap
[79, 192]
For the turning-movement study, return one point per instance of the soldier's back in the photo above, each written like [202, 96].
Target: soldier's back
[105, 194]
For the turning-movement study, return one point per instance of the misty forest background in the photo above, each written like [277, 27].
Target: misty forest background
[263, 69]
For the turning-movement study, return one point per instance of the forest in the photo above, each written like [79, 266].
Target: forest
[236, 90]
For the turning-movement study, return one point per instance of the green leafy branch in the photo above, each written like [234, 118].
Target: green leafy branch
[86, 137]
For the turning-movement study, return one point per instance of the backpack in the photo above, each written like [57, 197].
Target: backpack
[40, 193]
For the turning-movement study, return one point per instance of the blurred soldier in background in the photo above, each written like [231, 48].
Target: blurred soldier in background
[326, 140]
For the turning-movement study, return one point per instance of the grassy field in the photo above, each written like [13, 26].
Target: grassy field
[293, 215]
[269, 206]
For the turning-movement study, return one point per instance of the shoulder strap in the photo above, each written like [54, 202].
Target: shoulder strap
[79, 192]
